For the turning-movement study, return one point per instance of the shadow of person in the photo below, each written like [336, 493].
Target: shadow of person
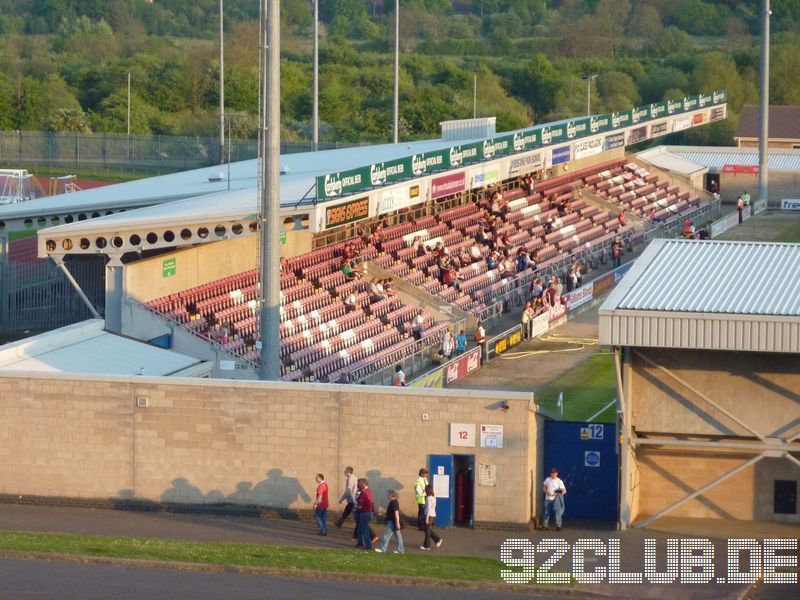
[380, 486]
[182, 492]
[244, 494]
[279, 492]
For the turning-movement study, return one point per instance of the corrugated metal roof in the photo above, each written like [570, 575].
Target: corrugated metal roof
[670, 161]
[788, 160]
[736, 278]
[784, 122]
[86, 348]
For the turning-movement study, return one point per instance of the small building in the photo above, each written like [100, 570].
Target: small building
[706, 339]
[784, 127]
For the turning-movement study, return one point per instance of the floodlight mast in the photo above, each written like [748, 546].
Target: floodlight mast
[763, 137]
[269, 205]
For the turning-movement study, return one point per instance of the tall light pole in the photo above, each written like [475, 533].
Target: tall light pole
[221, 84]
[129, 114]
[269, 201]
[475, 95]
[315, 109]
[396, 68]
[763, 191]
[589, 79]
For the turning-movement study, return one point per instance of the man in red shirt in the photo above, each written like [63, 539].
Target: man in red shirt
[365, 508]
[321, 505]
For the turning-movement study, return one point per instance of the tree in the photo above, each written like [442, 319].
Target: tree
[715, 71]
[68, 121]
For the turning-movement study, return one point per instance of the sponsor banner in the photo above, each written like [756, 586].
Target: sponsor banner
[503, 343]
[615, 140]
[428, 163]
[603, 284]
[434, 379]
[621, 119]
[484, 176]
[719, 96]
[448, 185]
[339, 184]
[552, 134]
[790, 204]
[464, 155]
[540, 325]
[578, 129]
[497, 147]
[560, 155]
[524, 140]
[578, 297]
[589, 147]
[600, 123]
[527, 163]
[657, 129]
[640, 114]
[690, 103]
[674, 107]
[401, 197]
[658, 109]
[749, 169]
[459, 368]
[698, 119]
[704, 100]
[637, 135]
[347, 212]
[718, 113]
[681, 123]
[556, 312]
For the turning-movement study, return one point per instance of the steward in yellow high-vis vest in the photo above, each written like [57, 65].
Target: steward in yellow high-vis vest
[419, 496]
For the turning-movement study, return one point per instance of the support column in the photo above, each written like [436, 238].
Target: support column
[114, 293]
[4, 287]
[622, 359]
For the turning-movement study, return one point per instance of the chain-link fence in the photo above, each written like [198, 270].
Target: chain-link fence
[110, 152]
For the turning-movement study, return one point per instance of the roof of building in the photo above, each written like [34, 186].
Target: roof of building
[716, 295]
[784, 122]
[86, 348]
[694, 158]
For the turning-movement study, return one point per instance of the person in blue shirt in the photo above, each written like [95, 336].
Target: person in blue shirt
[461, 343]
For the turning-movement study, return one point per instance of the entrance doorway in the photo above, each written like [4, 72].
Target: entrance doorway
[453, 479]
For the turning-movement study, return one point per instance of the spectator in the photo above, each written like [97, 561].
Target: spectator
[461, 342]
[688, 229]
[480, 339]
[439, 250]
[376, 292]
[386, 283]
[365, 509]
[740, 208]
[538, 306]
[550, 295]
[348, 497]
[704, 234]
[491, 261]
[523, 260]
[622, 218]
[475, 251]
[417, 324]
[536, 288]
[526, 321]
[399, 378]
[321, 505]
[578, 272]
[418, 246]
[370, 532]
[393, 525]
[347, 252]
[430, 520]
[548, 225]
[616, 252]
[554, 492]
[572, 278]
[559, 287]
[350, 273]
[464, 257]
[746, 199]
[351, 301]
[448, 344]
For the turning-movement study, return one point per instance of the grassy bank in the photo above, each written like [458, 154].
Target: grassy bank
[454, 568]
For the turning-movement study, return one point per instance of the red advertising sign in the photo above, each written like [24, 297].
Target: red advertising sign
[448, 185]
[698, 119]
[458, 369]
[740, 169]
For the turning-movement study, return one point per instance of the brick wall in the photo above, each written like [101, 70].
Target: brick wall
[246, 442]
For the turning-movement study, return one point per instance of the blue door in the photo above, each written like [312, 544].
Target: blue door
[442, 475]
[587, 461]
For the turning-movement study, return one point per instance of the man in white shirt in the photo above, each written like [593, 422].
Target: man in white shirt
[349, 495]
[554, 492]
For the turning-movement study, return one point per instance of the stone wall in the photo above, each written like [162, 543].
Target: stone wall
[214, 441]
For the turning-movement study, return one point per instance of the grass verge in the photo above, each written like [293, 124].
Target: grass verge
[791, 233]
[587, 389]
[450, 568]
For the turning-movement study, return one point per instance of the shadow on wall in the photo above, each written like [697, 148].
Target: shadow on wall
[380, 486]
[277, 492]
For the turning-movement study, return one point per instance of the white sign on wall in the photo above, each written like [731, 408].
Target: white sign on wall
[491, 436]
[487, 475]
[462, 434]
[441, 486]
[790, 204]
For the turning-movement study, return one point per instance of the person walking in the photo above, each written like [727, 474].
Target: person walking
[480, 340]
[348, 497]
[355, 538]
[321, 505]
[399, 378]
[419, 496]
[366, 506]
[526, 321]
[430, 520]
[616, 252]
[554, 492]
[393, 525]
[448, 343]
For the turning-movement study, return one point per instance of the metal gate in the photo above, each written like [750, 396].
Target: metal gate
[587, 461]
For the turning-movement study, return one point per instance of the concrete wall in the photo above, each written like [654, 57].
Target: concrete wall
[753, 143]
[760, 389]
[668, 476]
[217, 441]
[194, 266]
[782, 184]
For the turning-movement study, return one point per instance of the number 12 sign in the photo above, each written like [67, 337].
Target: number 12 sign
[462, 434]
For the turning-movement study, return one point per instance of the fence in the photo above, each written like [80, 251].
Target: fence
[36, 296]
[108, 152]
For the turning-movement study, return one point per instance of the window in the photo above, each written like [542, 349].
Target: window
[785, 497]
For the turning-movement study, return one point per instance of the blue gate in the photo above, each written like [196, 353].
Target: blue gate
[587, 461]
